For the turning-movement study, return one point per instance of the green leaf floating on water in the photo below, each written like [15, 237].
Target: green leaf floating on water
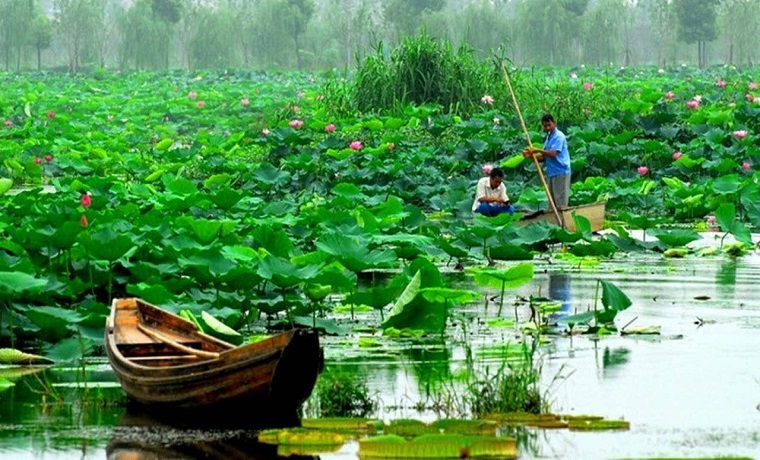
[13, 356]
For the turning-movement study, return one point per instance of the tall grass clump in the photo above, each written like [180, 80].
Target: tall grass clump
[339, 394]
[423, 70]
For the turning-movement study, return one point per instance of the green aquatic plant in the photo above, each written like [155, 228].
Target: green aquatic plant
[339, 394]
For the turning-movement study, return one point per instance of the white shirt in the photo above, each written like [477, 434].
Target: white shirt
[484, 189]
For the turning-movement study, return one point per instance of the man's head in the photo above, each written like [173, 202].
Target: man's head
[497, 177]
[548, 123]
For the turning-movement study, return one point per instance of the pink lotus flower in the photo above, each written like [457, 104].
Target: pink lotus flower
[720, 83]
[301, 95]
[200, 104]
[670, 95]
[265, 132]
[391, 146]
[38, 160]
[677, 155]
[296, 109]
[48, 157]
[487, 169]
[330, 128]
[8, 123]
[693, 104]
[642, 170]
[86, 200]
[245, 102]
[749, 97]
[486, 99]
[295, 124]
[740, 134]
[51, 114]
[752, 86]
[83, 221]
[192, 94]
[746, 166]
[588, 86]
[710, 219]
[355, 145]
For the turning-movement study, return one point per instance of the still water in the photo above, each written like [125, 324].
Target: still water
[693, 391]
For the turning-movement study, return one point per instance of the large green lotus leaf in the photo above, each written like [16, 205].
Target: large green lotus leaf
[419, 314]
[674, 238]
[242, 278]
[449, 296]
[219, 182]
[145, 271]
[407, 295]
[241, 253]
[284, 274]
[336, 276]
[726, 185]
[156, 294]
[273, 239]
[347, 190]
[613, 298]
[210, 260]
[453, 249]
[66, 235]
[226, 198]
[530, 234]
[14, 283]
[13, 356]
[55, 322]
[725, 215]
[269, 175]
[512, 277]
[5, 185]
[220, 330]
[206, 231]
[105, 244]
[181, 186]
[71, 350]
[329, 326]
[380, 296]
[353, 253]
[509, 252]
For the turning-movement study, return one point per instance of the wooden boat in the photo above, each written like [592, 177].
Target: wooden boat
[163, 360]
[594, 212]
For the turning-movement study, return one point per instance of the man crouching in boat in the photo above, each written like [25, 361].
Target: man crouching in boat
[491, 195]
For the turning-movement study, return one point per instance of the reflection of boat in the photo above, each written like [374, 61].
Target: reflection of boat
[151, 435]
[594, 212]
[163, 360]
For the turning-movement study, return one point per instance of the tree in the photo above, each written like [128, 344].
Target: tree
[697, 21]
[406, 16]
[41, 36]
[743, 40]
[78, 23]
[662, 16]
[547, 29]
[210, 46]
[15, 22]
[601, 48]
[145, 37]
[297, 16]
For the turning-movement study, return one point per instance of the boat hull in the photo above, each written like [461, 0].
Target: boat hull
[280, 371]
[594, 212]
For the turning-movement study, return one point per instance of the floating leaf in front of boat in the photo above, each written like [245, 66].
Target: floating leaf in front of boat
[220, 330]
[13, 356]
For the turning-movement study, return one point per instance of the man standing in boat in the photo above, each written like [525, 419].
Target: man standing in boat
[557, 159]
[491, 195]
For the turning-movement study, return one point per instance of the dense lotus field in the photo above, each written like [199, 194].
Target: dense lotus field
[259, 196]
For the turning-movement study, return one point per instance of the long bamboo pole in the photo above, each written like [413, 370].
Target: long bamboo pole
[530, 144]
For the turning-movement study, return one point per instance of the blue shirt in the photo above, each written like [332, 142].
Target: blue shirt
[559, 165]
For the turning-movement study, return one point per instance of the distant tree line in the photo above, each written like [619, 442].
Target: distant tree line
[319, 34]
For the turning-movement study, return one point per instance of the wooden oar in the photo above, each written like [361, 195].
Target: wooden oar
[530, 144]
[155, 335]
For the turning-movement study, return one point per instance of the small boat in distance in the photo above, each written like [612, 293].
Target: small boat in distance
[594, 212]
[164, 361]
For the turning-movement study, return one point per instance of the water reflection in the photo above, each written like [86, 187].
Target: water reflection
[559, 289]
[142, 435]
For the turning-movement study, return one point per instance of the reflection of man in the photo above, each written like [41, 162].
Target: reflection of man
[491, 195]
[559, 289]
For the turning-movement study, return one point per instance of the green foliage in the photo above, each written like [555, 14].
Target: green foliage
[514, 387]
[422, 70]
[341, 395]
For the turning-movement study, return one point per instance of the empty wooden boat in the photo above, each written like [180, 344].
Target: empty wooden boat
[163, 360]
